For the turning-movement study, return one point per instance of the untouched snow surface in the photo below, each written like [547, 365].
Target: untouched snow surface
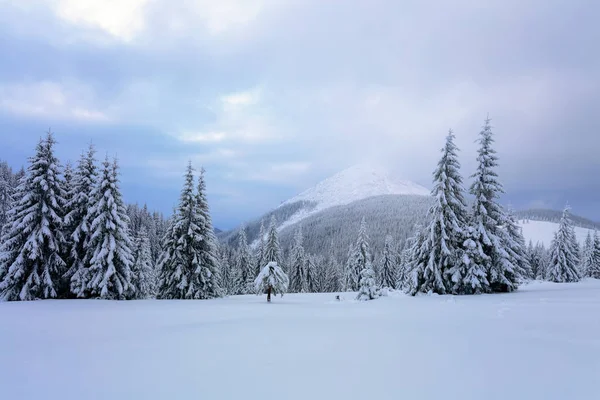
[542, 342]
[543, 232]
[355, 183]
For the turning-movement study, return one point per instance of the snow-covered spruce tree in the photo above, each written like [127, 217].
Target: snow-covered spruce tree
[333, 274]
[440, 266]
[271, 280]
[358, 258]
[228, 276]
[142, 270]
[259, 253]
[188, 265]
[244, 265]
[367, 284]
[405, 260]
[537, 257]
[563, 253]
[109, 249]
[6, 192]
[30, 256]
[488, 219]
[66, 183]
[272, 250]
[587, 255]
[516, 246]
[387, 265]
[298, 265]
[310, 270]
[594, 269]
[78, 221]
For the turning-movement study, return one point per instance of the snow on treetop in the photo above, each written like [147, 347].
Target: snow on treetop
[356, 183]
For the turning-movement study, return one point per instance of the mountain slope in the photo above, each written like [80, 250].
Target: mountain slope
[355, 183]
[352, 185]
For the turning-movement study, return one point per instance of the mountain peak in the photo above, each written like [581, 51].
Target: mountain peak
[356, 183]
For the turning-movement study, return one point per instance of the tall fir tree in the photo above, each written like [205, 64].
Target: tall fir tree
[78, 222]
[244, 265]
[188, 265]
[587, 255]
[297, 265]
[109, 249]
[516, 246]
[142, 271]
[490, 241]
[563, 253]
[272, 251]
[387, 265]
[30, 256]
[358, 258]
[441, 267]
[310, 270]
[209, 259]
[594, 269]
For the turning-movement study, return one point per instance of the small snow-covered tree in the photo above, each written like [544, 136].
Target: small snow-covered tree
[271, 280]
[563, 253]
[30, 255]
[594, 268]
[387, 265]
[488, 218]
[142, 270]
[78, 222]
[110, 248]
[367, 285]
[358, 258]
[297, 265]
[244, 265]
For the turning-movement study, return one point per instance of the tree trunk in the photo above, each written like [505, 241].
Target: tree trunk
[269, 294]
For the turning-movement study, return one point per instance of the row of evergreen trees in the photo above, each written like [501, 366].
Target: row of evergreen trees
[565, 261]
[66, 232]
[467, 250]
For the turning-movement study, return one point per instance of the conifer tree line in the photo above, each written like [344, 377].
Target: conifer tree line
[67, 233]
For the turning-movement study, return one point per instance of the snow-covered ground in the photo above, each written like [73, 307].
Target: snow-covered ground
[543, 232]
[542, 342]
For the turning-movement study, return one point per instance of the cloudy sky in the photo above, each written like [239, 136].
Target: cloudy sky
[272, 96]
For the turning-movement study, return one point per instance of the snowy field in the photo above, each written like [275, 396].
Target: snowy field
[542, 342]
[543, 232]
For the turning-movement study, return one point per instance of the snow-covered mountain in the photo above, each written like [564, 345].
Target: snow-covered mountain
[356, 183]
[327, 208]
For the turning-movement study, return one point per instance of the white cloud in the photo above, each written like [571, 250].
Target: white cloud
[122, 19]
[240, 116]
[50, 100]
